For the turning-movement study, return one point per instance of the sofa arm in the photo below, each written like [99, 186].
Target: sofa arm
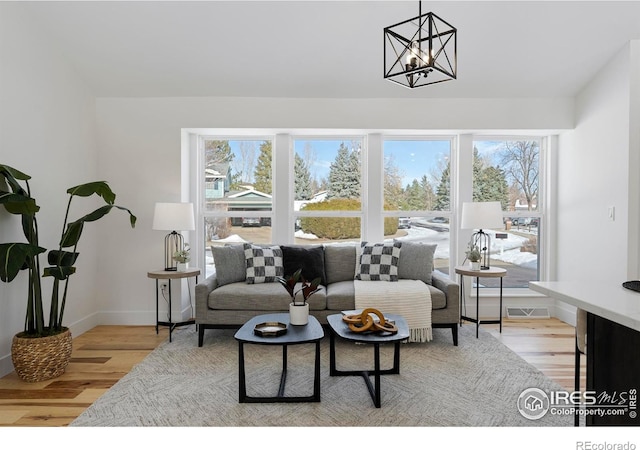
[450, 288]
[203, 289]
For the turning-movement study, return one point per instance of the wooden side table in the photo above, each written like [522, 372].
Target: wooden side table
[171, 275]
[492, 272]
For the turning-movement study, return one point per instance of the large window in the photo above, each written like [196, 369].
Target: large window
[508, 171]
[327, 190]
[337, 189]
[417, 193]
[237, 192]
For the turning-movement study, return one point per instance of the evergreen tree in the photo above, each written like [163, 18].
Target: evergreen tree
[415, 196]
[263, 173]
[427, 192]
[478, 166]
[494, 186]
[344, 174]
[443, 193]
[489, 182]
[302, 181]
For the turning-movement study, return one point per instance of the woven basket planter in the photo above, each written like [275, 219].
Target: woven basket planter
[42, 358]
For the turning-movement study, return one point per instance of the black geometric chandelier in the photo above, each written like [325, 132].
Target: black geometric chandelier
[420, 51]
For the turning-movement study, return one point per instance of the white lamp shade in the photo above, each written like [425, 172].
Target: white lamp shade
[173, 217]
[481, 215]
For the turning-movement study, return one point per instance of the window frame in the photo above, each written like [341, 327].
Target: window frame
[372, 167]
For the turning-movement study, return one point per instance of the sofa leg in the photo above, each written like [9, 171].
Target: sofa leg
[200, 335]
[454, 331]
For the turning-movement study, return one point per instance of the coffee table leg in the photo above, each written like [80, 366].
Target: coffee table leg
[242, 387]
[283, 377]
[332, 355]
[316, 377]
[376, 359]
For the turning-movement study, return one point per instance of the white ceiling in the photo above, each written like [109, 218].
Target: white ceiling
[329, 49]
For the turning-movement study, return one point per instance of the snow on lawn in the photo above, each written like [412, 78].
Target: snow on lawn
[507, 250]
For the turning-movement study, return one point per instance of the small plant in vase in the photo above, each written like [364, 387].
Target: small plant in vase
[474, 256]
[182, 257]
[299, 310]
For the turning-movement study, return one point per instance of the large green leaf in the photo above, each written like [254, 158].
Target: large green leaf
[15, 173]
[16, 256]
[18, 204]
[72, 234]
[11, 177]
[59, 272]
[74, 229]
[100, 188]
[62, 258]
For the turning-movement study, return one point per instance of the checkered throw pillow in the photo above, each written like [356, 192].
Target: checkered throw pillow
[264, 264]
[379, 262]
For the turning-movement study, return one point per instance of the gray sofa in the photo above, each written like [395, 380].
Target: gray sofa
[227, 300]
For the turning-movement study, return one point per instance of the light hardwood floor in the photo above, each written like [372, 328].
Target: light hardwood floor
[106, 353]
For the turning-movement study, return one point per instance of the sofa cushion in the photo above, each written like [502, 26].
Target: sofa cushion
[379, 262]
[230, 263]
[438, 298]
[339, 262]
[259, 297]
[308, 258]
[416, 261]
[341, 296]
[264, 264]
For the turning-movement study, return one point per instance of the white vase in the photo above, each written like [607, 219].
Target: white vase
[182, 267]
[298, 314]
[475, 265]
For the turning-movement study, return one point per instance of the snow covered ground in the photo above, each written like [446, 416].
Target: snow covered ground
[507, 250]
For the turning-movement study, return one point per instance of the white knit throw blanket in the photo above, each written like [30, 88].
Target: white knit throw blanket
[410, 299]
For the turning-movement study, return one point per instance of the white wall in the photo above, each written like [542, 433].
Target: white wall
[47, 130]
[598, 167]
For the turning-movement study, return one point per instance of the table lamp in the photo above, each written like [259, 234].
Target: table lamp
[479, 215]
[172, 217]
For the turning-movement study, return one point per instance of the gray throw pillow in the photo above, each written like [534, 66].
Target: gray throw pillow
[230, 263]
[416, 261]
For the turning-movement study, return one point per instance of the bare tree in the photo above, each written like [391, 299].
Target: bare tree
[247, 162]
[392, 183]
[520, 160]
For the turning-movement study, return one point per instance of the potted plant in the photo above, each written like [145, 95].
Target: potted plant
[299, 310]
[42, 352]
[473, 255]
[183, 257]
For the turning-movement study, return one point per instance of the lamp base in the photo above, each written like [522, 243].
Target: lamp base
[172, 243]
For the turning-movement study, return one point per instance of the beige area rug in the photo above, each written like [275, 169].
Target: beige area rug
[475, 384]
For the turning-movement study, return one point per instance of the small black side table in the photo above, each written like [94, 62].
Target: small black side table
[341, 329]
[493, 272]
[171, 275]
[310, 333]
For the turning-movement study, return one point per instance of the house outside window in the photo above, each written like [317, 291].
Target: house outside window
[237, 188]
